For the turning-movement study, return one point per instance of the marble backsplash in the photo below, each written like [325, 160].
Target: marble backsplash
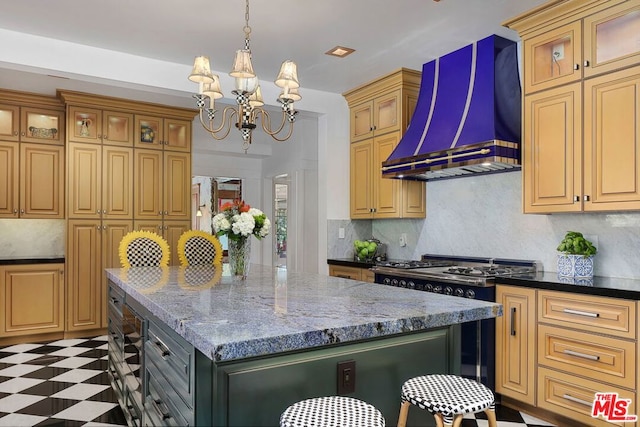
[32, 238]
[482, 216]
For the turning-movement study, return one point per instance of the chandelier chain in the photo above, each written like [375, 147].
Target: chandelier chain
[247, 28]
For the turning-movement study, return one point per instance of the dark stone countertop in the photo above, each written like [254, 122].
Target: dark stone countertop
[350, 262]
[598, 285]
[31, 260]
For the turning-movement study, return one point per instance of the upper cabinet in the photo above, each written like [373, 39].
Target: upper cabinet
[100, 126]
[31, 118]
[579, 40]
[380, 112]
[31, 156]
[581, 142]
[163, 133]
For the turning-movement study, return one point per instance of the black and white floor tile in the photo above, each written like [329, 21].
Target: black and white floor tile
[64, 383]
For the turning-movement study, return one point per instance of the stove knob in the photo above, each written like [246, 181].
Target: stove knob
[448, 290]
[394, 282]
[437, 289]
[459, 292]
[428, 287]
[387, 281]
[420, 287]
[470, 294]
[403, 283]
[411, 285]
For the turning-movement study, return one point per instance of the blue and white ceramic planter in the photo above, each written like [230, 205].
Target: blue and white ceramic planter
[575, 265]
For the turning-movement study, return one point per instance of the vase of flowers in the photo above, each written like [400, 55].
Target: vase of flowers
[238, 221]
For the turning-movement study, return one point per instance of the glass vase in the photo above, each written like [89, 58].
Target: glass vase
[239, 257]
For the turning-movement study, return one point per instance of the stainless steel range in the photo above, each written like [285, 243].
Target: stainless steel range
[468, 277]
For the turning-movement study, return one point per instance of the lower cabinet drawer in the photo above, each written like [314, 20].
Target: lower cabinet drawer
[599, 358]
[175, 358]
[573, 397]
[162, 406]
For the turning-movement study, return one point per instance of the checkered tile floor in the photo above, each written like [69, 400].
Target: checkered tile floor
[64, 383]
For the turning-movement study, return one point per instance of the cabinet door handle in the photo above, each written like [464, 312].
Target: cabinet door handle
[580, 313]
[582, 355]
[513, 321]
[586, 63]
[156, 404]
[576, 400]
[164, 350]
[576, 66]
[576, 198]
[586, 198]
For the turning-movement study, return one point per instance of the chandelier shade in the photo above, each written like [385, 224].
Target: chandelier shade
[248, 96]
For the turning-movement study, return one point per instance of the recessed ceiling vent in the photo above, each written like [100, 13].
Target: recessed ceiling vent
[467, 119]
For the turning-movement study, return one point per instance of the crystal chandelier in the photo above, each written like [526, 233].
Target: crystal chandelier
[248, 96]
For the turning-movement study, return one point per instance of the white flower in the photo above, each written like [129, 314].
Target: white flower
[220, 222]
[255, 212]
[243, 224]
[266, 227]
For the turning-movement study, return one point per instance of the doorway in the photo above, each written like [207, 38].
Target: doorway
[280, 205]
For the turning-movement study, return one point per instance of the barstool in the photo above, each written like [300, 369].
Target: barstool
[447, 397]
[331, 411]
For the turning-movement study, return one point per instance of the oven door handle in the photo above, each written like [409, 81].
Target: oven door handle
[513, 321]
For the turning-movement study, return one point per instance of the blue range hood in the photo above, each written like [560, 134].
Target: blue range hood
[468, 116]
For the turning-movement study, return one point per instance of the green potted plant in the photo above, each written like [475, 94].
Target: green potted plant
[576, 256]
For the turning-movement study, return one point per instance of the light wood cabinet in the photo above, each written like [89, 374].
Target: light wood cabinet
[380, 112]
[92, 246]
[113, 183]
[92, 125]
[566, 347]
[580, 145]
[32, 181]
[353, 273]
[162, 133]
[100, 181]
[515, 343]
[31, 124]
[32, 299]
[162, 185]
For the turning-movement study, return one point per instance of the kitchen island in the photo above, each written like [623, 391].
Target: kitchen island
[213, 350]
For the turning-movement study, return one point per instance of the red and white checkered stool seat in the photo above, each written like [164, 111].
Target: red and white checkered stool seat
[331, 411]
[448, 398]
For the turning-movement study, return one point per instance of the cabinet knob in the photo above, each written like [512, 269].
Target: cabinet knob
[104, 211]
[104, 227]
[576, 198]
[103, 137]
[586, 63]
[166, 212]
[159, 212]
[15, 132]
[576, 66]
[22, 134]
[586, 198]
[21, 210]
[159, 227]
[98, 211]
[15, 211]
[97, 227]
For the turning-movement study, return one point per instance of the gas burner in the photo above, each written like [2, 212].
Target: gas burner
[409, 264]
[483, 270]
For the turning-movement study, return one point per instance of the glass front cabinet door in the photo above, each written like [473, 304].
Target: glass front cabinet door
[9, 122]
[612, 39]
[43, 126]
[553, 58]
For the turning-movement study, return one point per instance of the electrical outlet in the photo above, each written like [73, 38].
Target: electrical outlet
[558, 51]
[403, 240]
[340, 233]
[346, 377]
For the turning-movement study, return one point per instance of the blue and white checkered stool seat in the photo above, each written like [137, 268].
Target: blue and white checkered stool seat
[447, 397]
[331, 411]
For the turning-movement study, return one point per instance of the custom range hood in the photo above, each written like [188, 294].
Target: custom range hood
[467, 119]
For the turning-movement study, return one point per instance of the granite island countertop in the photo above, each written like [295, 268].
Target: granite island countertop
[276, 310]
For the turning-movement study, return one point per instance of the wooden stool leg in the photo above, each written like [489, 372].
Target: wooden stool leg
[404, 412]
[457, 420]
[439, 419]
[491, 416]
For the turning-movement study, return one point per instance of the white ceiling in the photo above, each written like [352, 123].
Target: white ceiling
[387, 34]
